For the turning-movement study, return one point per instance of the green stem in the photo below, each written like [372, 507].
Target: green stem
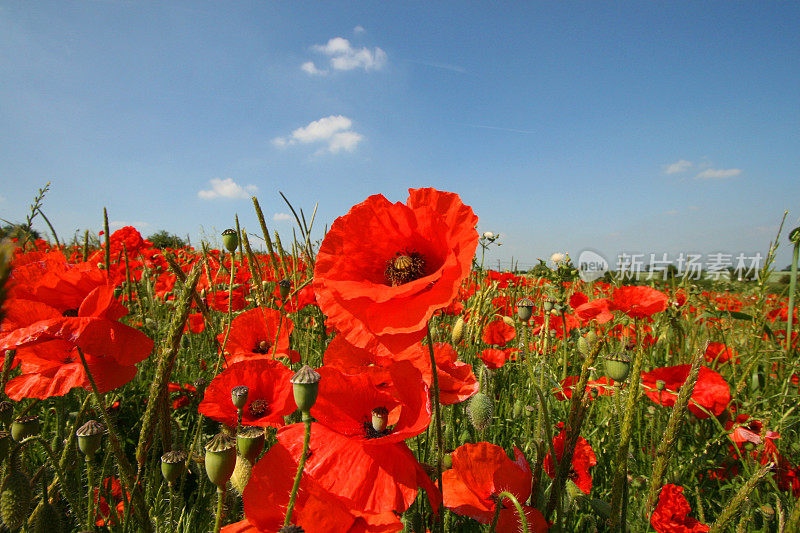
[300, 466]
[107, 239]
[521, 512]
[230, 317]
[792, 290]
[437, 416]
[90, 482]
[220, 505]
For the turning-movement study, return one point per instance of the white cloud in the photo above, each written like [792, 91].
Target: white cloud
[671, 212]
[718, 173]
[677, 167]
[335, 130]
[310, 68]
[344, 57]
[280, 217]
[227, 188]
[359, 29]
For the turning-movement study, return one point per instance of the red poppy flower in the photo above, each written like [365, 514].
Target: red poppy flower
[375, 478]
[254, 334]
[383, 269]
[479, 474]
[269, 397]
[639, 301]
[671, 514]
[717, 351]
[266, 498]
[582, 460]
[599, 309]
[493, 358]
[498, 333]
[711, 392]
[183, 396]
[603, 386]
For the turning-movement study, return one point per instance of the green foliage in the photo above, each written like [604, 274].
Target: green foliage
[165, 239]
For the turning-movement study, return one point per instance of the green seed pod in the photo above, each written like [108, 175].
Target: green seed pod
[6, 413]
[90, 436]
[284, 287]
[305, 388]
[525, 309]
[380, 418]
[617, 366]
[517, 408]
[230, 240]
[220, 459]
[591, 338]
[16, 496]
[250, 442]
[24, 427]
[548, 305]
[480, 411]
[239, 396]
[457, 334]
[172, 465]
[46, 519]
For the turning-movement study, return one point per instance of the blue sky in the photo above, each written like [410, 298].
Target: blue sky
[622, 127]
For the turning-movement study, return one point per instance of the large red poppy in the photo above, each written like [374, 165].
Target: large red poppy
[639, 301]
[711, 392]
[254, 335]
[671, 514]
[582, 460]
[479, 474]
[383, 269]
[498, 333]
[269, 397]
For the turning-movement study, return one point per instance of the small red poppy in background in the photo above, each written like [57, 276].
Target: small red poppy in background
[457, 381]
[269, 396]
[582, 460]
[254, 335]
[671, 514]
[639, 301]
[498, 333]
[383, 269]
[711, 392]
[717, 351]
[183, 394]
[479, 474]
[493, 358]
[602, 387]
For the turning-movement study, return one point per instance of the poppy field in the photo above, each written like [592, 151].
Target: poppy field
[380, 379]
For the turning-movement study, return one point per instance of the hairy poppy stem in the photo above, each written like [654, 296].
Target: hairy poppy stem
[229, 317]
[90, 493]
[513, 499]
[792, 289]
[300, 466]
[220, 506]
[107, 239]
[437, 417]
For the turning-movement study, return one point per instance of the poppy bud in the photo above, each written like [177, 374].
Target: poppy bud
[767, 511]
[517, 408]
[24, 427]
[457, 334]
[220, 459]
[230, 240]
[618, 366]
[284, 286]
[5, 442]
[480, 411]
[380, 418]
[509, 321]
[90, 435]
[525, 309]
[661, 384]
[305, 386]
[250, 442]
[591, 338]
[794, 235]
[239, 396]
[15, 499]
[583, 346]
[46, 519]
[6, 413]
[447, 461]
[172, 464]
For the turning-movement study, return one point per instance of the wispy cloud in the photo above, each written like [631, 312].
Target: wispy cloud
[334, 130]
[280, 217]
[671, 212]
[677, 167]
[310, 68]
[226, 188]
[343, 56]
[718, 173]
[358, 30]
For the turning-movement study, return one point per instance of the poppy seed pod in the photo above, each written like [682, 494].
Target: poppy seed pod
[24, 427]
[380, 419]
[548, 305]
[220, 459]
[250, 442]
[284, 286]
[794, 235]
[305, 386]
[90, 435]
[239, 396]
[617, 366]
[230, 240]
[6, 413]
[172, 464]
[525, 309]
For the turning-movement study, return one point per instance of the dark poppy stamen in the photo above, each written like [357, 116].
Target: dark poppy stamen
[404, 267]
[70, 313]
[258, 408]
[261, 347]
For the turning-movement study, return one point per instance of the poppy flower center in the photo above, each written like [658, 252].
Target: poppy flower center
[376, 427]
[259, 408]
[261, 347]
[404, 267]
[70, 313]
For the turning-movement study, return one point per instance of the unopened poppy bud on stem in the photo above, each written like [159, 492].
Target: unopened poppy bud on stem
[305, 386]
[457, 335]
[284, 286]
